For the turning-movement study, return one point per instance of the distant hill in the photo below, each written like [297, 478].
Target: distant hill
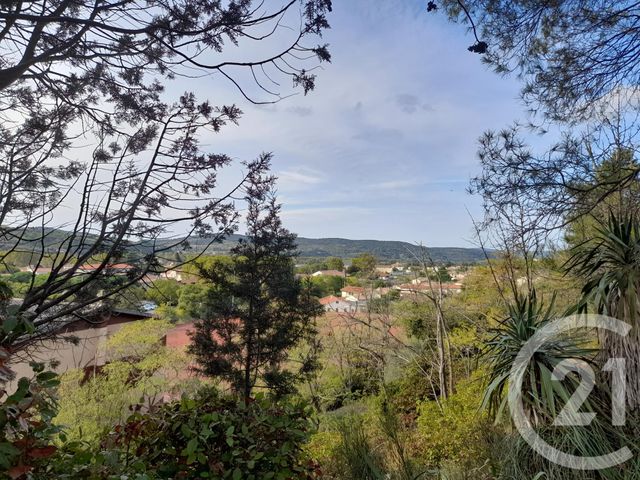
[382, 249]
[315, 248]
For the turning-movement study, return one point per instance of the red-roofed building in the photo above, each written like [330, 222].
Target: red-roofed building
[350, 290]
[81, 344]
[114, 268]
[354, 294]
[328, 300]
[180, 336]
[338, 304]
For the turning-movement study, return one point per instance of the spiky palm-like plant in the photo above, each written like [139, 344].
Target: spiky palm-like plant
[542, 397]
[610, 265]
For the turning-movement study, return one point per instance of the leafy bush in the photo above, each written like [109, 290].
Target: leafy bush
[456, 430]
[164, 291]
[20, 277]
[356, 380]
[206, 436]
[26, 431]
[414, 386]
[323, 286]
[90, 403]
[323, 447]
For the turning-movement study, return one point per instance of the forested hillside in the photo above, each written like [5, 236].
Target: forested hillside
[387, 251]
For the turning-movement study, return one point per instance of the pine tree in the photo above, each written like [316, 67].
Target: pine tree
[258, 312]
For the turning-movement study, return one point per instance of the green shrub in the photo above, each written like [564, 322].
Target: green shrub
[324, 447]
[90, 403]
[20, 277]
[205, 436]
[519, 460]
[455, 431]
[26, 430]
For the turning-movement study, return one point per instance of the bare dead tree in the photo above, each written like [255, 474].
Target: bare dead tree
[435, 295]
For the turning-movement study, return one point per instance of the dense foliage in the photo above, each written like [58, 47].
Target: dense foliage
[200, 436]
[207, 436]
[26, 429]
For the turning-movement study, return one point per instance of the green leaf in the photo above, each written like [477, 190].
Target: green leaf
[186, 431]
[547, 389]
[192, 446]
[9, 324]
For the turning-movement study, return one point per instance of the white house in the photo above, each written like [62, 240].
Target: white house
[338, 304]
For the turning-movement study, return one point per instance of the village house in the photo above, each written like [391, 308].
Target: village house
[81, 344]
[354, 294]
[357, 295]
[113, 269]
[339, 304]
[384, 270]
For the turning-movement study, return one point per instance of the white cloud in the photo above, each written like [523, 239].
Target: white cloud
[298, 179]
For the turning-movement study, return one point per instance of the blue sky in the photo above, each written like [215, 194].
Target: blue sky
[385, 146]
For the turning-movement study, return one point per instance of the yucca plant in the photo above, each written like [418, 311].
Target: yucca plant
[610, 265]
[542, 397]
[520, 462]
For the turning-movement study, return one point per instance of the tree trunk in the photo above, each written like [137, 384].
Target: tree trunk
[626, 348]
[442, 360]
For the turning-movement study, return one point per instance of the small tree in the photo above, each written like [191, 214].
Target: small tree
[610, 266]
[258, 311]
[365, 264]
[335, 263]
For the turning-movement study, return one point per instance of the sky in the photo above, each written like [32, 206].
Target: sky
[384, 148]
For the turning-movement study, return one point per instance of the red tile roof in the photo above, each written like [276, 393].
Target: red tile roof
[180, 336]
[350, 289]
[89, 267]
[329, 299]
